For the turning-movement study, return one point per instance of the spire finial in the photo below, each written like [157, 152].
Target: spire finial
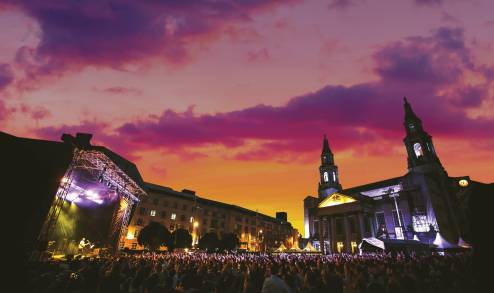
[409, 114]
[325, 145]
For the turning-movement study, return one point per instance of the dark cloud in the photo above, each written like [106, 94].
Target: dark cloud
[354, 117]
[36, 113]
[6, 78]
[429, 2]
[115, 33]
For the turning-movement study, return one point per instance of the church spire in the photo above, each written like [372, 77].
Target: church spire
[326, 153]
[325, 146]
[418, 142]
[410, 116]
[328, 171]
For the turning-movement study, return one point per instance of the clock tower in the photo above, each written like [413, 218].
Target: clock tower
[420, 149]
[329, 182]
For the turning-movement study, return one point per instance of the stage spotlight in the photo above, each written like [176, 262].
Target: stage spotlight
[71, 196]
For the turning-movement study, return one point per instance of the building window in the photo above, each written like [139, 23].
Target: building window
[354, 246]
[326, 179]
[397, 222]
[381, 223]
[139, 222]
[163, 214]
[191, 219]
[136, 233]
[419, 223]
[182, 218]
[334, 176]
[142, 211]
[156, 201]
[174, 216]
[134, 245]
[417, 148]
[184, 207]
[152, 213]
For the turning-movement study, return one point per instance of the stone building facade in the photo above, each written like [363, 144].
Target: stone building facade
[184, 209]
[425, 204]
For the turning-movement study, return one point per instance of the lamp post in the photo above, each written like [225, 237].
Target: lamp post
[259, 237]
[394, 195]
[195, 233]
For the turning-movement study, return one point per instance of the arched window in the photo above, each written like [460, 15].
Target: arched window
[326, 179]
[334, 176]
[417, 148]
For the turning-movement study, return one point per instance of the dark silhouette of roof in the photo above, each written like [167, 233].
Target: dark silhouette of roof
[372, 185]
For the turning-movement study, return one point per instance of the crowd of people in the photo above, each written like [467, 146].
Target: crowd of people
[245, 273]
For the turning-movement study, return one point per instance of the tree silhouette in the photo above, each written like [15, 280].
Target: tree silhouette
[153, 236]
[209, 242]
[181, 238]
[229, 241]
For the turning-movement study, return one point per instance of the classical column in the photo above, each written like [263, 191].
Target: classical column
[332, 240]
[347, 237]
[321, 235]
[361, 225]
[326, 233]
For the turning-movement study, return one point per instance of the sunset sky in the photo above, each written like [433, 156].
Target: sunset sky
[232, 98]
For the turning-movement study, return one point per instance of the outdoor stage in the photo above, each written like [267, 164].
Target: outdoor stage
[92, 206]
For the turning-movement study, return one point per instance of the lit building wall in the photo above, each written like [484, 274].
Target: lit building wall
[175, 209]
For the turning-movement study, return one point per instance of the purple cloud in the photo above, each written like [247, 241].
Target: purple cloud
[362, 116]
[114, 33]
[429, 2]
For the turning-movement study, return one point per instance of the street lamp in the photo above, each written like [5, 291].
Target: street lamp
[194, 232]
[259, 237]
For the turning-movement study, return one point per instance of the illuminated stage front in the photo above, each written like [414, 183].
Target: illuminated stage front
[92, 206]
